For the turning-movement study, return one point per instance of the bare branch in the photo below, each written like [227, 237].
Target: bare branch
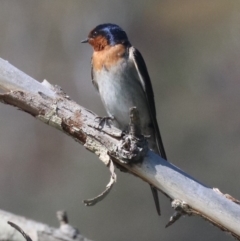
[12, 78]
[57, 110]
[35, 231]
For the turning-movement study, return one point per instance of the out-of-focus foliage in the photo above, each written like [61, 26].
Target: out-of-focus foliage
[192, 50]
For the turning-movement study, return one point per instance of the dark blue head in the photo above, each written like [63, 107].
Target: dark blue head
[106, 34]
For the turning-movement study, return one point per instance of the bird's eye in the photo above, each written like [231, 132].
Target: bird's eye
[94, 34]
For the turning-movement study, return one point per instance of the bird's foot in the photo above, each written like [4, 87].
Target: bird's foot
[106, 120]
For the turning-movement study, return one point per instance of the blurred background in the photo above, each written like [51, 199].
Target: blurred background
[192, 50]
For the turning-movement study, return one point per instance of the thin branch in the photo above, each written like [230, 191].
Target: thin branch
[56, 109]
[35, 231]
[26, 236]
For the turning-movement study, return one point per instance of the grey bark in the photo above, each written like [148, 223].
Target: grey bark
[50, 105]
[36, 230]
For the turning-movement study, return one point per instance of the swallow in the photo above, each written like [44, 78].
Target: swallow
[120, 75]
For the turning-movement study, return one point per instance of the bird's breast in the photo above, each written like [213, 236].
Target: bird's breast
[120, 89]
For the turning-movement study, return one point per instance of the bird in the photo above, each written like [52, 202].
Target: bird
[120, 75]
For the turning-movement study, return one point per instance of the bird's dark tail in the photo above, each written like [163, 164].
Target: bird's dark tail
[161, 151]
[156, 199]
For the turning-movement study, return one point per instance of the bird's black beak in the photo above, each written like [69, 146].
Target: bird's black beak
[85, 40]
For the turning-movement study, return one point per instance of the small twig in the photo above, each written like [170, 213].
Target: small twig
[181, 209]
[100, 197]
[62, 217]
[20, 231]
[228, 196]
[65, 228]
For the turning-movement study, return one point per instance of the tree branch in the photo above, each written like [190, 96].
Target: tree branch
[52, 106]
[35, 231]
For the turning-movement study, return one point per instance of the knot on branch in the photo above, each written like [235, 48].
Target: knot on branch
[65, 228]
[181, 209]
[133, 146]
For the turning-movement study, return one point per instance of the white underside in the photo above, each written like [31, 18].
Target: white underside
[120, 90]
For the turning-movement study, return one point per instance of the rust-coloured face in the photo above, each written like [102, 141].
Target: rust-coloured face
[98, 42]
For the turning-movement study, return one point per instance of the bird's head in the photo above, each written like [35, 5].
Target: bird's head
[106, 34]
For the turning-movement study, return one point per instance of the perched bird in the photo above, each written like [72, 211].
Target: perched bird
[120, 75]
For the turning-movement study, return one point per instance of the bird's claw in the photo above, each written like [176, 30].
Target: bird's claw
[104, 121]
